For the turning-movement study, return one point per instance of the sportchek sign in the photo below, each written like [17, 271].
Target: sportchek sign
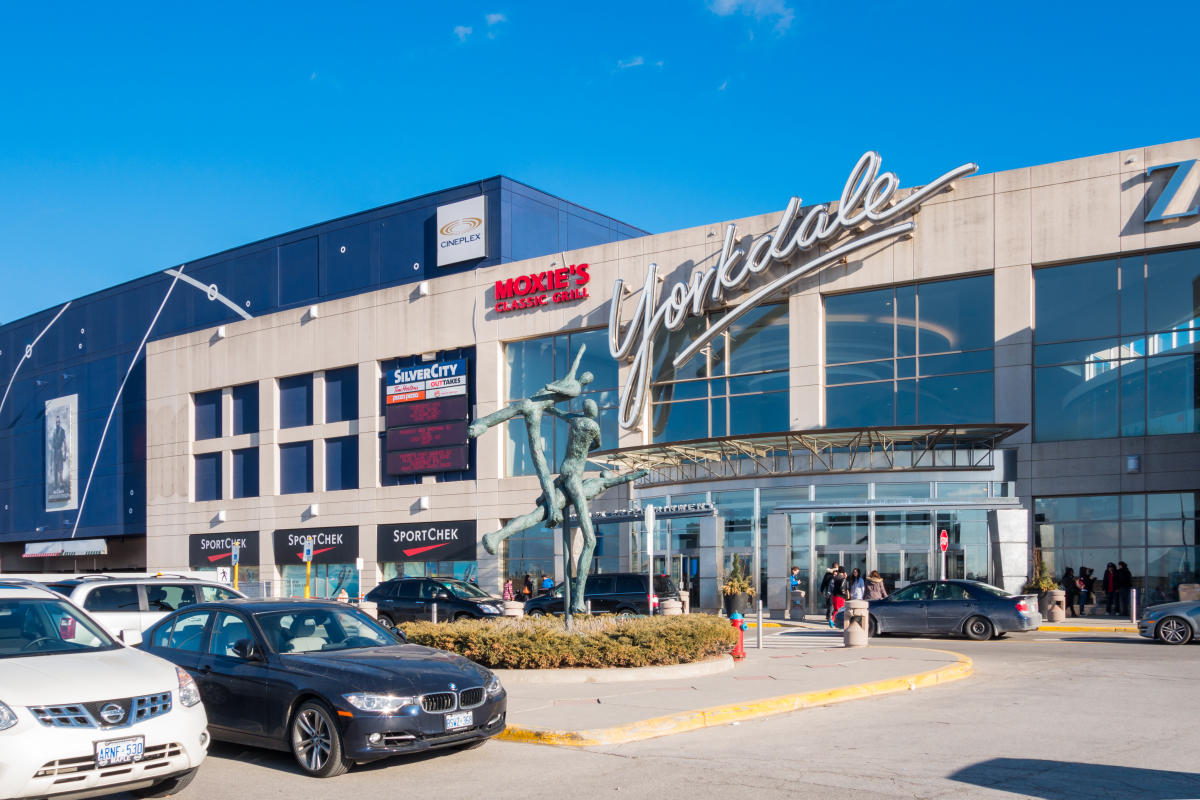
[216, 549]
[427, 541]
[330, 545]
[560, 285]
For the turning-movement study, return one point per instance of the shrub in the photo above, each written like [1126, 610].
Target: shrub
[602, 641]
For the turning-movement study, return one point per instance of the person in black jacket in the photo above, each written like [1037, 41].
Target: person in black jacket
[1124, 585]
[1070, 585]
[824, 589]
[839, 591]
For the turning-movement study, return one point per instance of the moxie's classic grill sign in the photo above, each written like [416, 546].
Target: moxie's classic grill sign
[560, 285]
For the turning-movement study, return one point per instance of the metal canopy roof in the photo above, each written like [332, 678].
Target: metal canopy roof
[814, 452]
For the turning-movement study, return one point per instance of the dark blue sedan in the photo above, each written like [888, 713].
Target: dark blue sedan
[325, 681]
[954, 608]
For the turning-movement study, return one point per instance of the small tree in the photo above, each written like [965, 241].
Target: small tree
[1042, 579]
[737, 581]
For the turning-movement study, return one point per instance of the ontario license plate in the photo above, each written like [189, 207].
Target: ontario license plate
[120, 751]
[456, 722]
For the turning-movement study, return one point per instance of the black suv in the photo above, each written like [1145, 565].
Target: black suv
[609, 593]
[405, 599]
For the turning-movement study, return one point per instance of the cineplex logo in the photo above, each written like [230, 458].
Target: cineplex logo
[866, 203]
[460, 229]
[542, 288]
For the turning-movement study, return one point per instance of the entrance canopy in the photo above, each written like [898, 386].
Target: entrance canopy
[814, 452]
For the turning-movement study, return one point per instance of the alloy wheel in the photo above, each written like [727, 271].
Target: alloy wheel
[311, 739]
[1174, 631]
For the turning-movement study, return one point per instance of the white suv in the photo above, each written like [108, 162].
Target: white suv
[135, 603]
[82, 713]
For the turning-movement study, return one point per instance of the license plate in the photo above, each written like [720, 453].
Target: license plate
[120, 751]
[463, 719]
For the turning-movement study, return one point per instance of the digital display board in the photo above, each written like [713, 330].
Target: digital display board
[426, 411]
[432, 459]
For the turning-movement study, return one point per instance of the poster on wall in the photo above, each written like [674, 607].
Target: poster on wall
[62, 463]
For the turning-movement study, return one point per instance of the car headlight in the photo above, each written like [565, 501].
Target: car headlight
[189, 692]
[493, 687]
[1151, 613]
[7, 717]
[379, 703]
[488, 608]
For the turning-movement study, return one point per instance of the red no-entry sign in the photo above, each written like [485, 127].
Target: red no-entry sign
[943, 541]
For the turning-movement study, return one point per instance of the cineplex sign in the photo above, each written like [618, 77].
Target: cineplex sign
[560, 285]
[865, 215]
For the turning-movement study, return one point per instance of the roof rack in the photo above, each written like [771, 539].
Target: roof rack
[170, 575]
[94, 578]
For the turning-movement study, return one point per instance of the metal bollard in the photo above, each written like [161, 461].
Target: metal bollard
[589, 607]
[433, 612]
[758, 637]
[1133, 614]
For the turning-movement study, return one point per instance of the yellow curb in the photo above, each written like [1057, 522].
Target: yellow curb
[1090, 628]
[685, 721]
[765, 625]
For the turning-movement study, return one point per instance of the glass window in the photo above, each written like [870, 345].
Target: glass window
[185, 633]
[208, 414]
[1173, 290]
[296, 468]
[902, 491]
[245, 409]
[208, 476]
[170, 597]
[947, 490]
[1077, 301]
[1077, 401]
[861, 405]
[736, 510]
[341, 394]
[228, 630]
[113, 598]
[245, 472]
[920, 591]
[341, 463]
[295, 401]
[859, 326]
[955, 315]
[529, 553]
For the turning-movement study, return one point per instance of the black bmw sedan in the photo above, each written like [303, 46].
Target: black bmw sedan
[325, 681]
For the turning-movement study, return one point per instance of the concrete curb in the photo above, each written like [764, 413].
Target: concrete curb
[698, 669]
[685, 721]
[1090, 628]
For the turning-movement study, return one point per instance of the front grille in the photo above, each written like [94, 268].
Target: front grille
[72, 766]
[438, 702]
[471, 698]
[89, 715]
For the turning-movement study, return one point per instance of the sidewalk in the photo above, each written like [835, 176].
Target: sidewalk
[769, 681]
[1091, 625]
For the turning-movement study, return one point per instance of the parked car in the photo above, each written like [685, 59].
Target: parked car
[81, 712]
[121, 603]
[621, 593]
[408, 599]
[1171, 623]
[956, 608]
[322, 679]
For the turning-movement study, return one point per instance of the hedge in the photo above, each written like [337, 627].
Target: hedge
[604, 641]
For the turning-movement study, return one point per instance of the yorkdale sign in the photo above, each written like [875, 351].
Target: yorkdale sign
[865, 214]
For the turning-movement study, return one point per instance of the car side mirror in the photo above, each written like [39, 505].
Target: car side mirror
[130, 636]
[442, 595]
[245, 649]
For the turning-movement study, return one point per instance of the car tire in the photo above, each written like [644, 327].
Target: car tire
[626, 613]
[979, 629]
[535, 612]
[386, 621]
[315, 741]
[1173, 630]
[872, 627]
[167, 786]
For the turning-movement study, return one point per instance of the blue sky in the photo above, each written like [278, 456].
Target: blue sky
[133, 138]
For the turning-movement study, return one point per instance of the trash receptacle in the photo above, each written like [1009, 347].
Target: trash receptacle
[671, 608]
[855, 620]
[1056, 605]
[514, 608]
[799, 600]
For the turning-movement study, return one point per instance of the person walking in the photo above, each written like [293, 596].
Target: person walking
[1124, 586]
[1112, 605]
[527, 587]
[1070, 585]
[826, 580]
[839, 590]
[858, 587]
[875, 588]
[508, 590]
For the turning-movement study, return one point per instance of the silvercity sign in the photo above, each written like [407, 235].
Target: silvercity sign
[866, 202]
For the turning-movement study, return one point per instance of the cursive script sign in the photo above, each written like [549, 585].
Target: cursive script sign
[866, 201]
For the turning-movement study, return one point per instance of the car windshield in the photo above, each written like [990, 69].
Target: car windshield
[464, 590]
[322, 630]
[38, 627]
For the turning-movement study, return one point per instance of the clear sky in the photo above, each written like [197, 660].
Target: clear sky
[134, 138]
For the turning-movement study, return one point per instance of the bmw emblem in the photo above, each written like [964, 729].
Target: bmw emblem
[453, 687]
[112, 713]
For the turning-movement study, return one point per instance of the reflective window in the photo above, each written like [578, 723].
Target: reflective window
[245, 409]
[296, 468]
[245, 472]
[1123, 361]
[208, 414]
[185, 633]
[295, 401]
[911, 355]
[208, 476]
[527, 557]
[341, 394]
[341, 463]
[113, 598]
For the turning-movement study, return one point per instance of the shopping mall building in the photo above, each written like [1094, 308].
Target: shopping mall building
[1008, 359]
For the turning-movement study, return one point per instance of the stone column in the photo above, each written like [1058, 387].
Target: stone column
[712, 557]
[1008, 530]
[778, 597]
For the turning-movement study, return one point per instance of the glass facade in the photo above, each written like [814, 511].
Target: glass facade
[530, 552]
[1155, 534]
[911, 355]
[736, 385]
[532, 364]
[462, 570]
[1117, 347]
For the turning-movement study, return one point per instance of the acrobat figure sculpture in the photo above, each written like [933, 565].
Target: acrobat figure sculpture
[570, 488]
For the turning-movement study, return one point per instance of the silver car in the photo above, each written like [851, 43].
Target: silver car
[1171, 623]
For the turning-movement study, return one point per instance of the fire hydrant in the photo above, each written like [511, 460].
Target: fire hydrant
[739, 625]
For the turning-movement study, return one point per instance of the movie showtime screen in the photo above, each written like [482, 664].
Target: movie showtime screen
[426, 413]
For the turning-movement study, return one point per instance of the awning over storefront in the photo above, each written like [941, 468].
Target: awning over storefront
[69, 547]
[814, 452]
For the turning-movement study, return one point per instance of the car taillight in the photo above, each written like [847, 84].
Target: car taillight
[1022, 607]
[654, 600]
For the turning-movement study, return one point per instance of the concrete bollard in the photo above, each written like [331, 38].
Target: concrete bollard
[513, 608]
[799, 605]
[1056, 605]
[670, 608]
[854, 624]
